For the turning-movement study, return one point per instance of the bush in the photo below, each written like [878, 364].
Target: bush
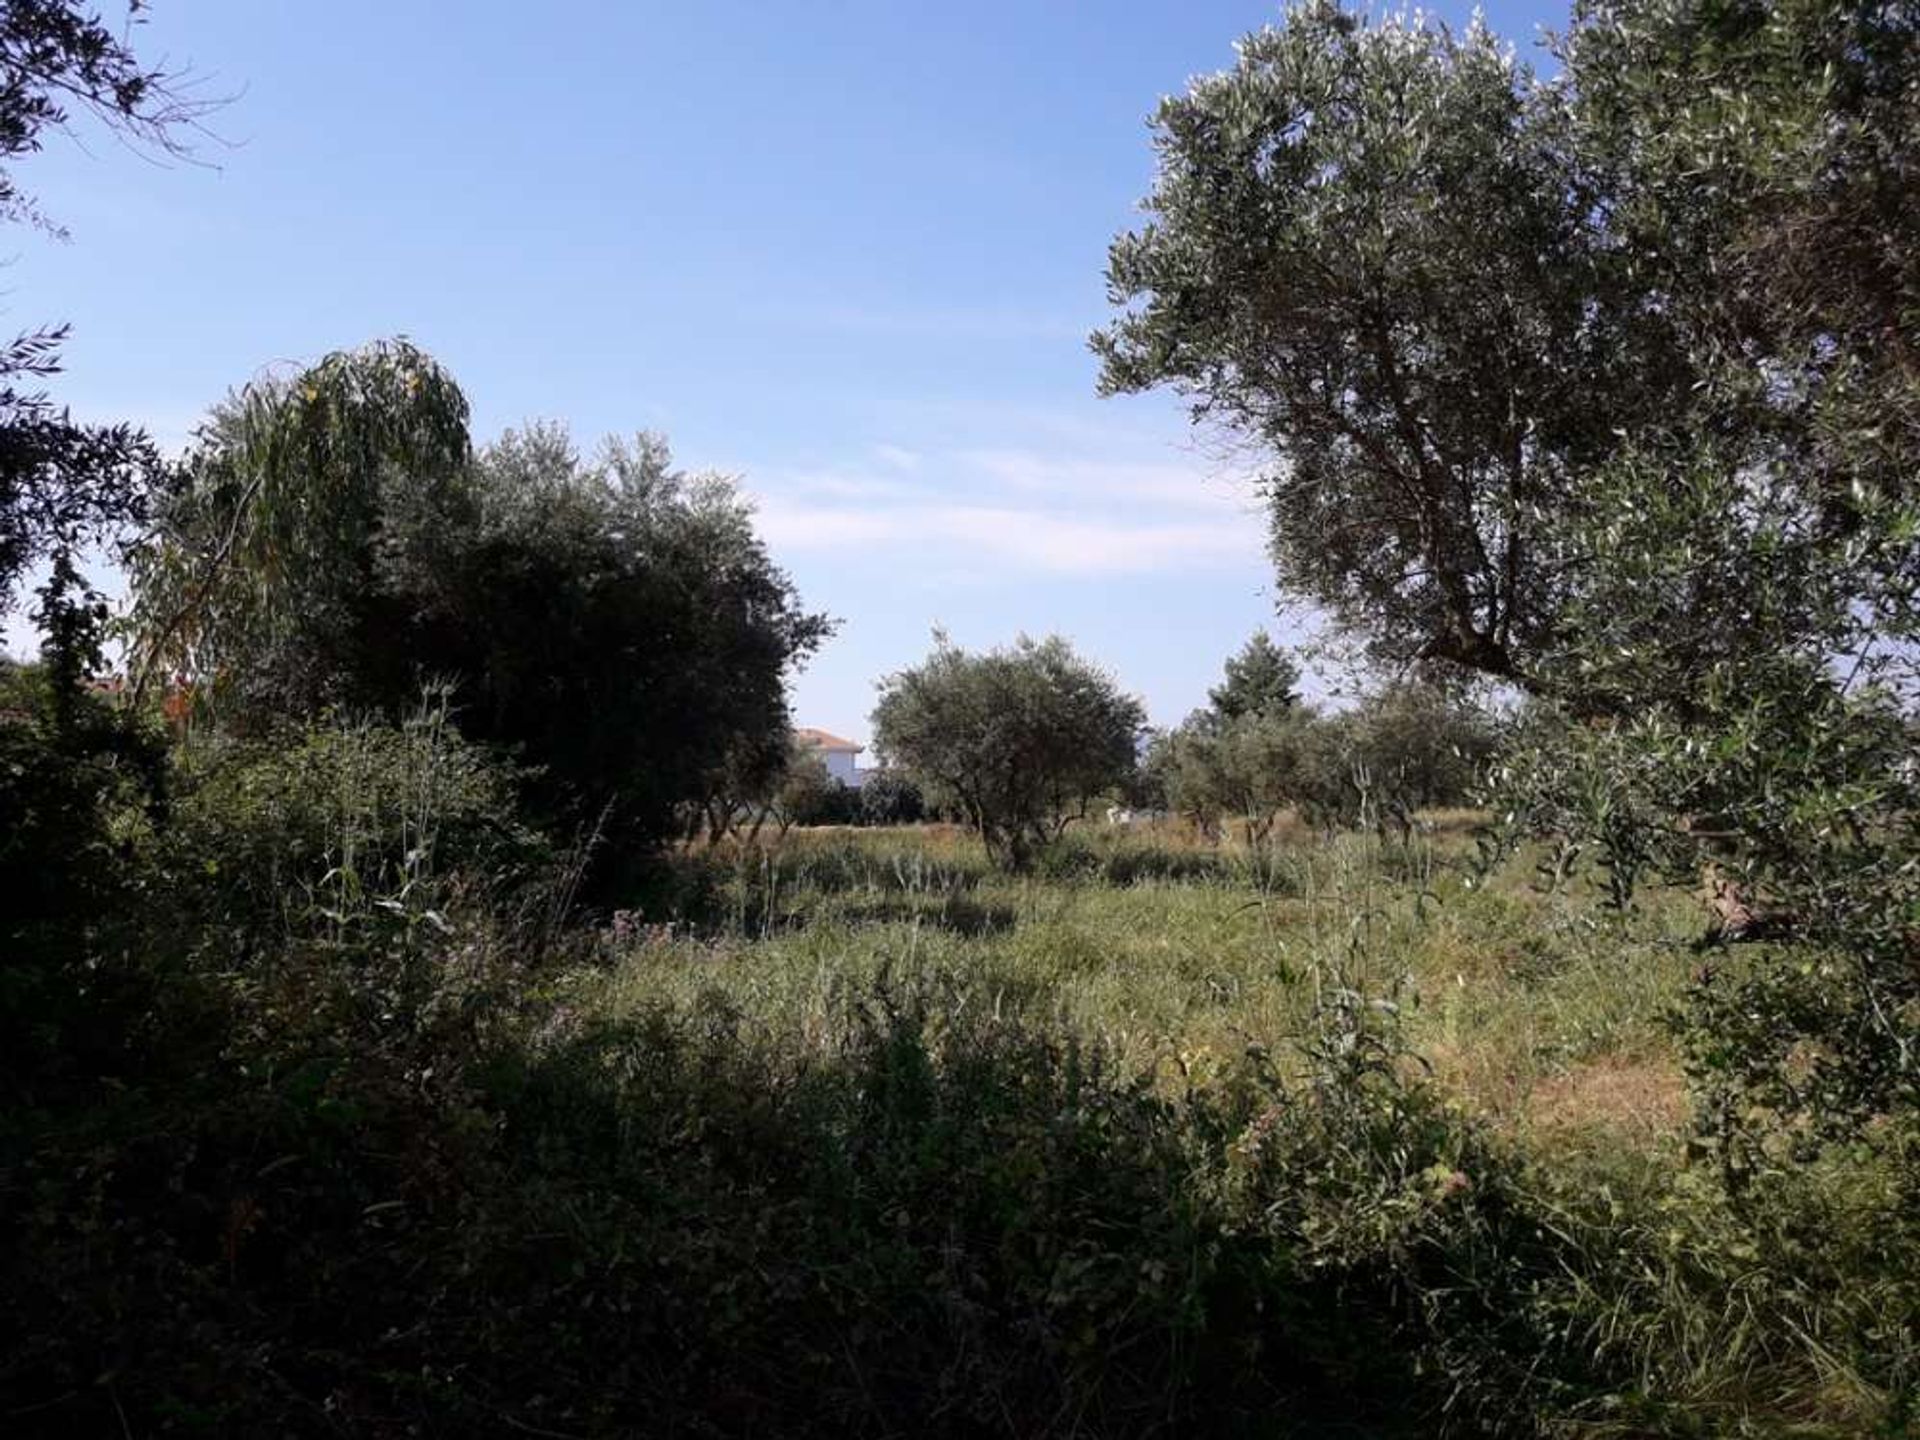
[318, 946]
[341, 869]
[889, 798]
[81, 782]
[1020, 740]
[835, 803]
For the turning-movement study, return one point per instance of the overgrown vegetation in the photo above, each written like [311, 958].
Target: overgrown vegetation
[426, 1008]
[1559, 394]
[333, 541]
[1020, 741]
[880, 1137]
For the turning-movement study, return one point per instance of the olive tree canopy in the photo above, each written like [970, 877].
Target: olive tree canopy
[1020, 739]
[1371, 250]
[1605, 386]
[335, 541]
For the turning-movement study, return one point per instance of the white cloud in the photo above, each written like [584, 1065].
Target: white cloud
[838, 484]
[785, 525]
[1108, 480]
[1070, 545]
[977, 512]
[1034, 540]
[898, 456]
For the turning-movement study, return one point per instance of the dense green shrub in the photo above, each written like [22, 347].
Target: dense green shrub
[333, 542]
[289, 973]
[81, 783]
[358, 875]
[835, 803]
[304, 832]
[1020, 741]
[889, 798]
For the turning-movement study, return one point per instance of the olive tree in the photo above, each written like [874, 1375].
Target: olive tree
[1403, 748]
[1422, 746]
[619, 621]
[1247, 769]
[1601, 385]
[1604, 386]
[1749, 571]
[334, 541]
[1239, 756]
[1021, 740]
[1370, 249]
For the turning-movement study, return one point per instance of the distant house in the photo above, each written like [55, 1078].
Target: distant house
[838, 754]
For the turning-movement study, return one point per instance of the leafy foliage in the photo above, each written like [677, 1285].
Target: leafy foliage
[317, 832]
[1419, 746]
[56, 54]
[80, 783]
[889, 798]
[1798, 815]
[1406, 746]
[64, 485]
[355, 887]
[619, 622]
[1752, 600]
[1020, 740]
[1372, 249]
[615, 622]
[1250, 768]
[1601, 386]
[262, 581]
[1261, 680]
[807, 794]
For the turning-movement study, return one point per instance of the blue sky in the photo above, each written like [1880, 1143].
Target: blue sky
[848, 253]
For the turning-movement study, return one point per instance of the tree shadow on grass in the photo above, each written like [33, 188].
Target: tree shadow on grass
[925, 1216]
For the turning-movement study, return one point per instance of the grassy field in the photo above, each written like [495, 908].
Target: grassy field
[1528, 1023]
[854, 1135]
[1540, 1011]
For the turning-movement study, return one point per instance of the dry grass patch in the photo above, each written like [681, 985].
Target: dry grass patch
[1641, 1100]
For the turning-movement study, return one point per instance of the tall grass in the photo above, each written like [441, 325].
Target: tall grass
[855, 1135]
[1533, 1015]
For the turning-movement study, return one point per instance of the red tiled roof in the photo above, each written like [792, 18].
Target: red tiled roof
[824, 740]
